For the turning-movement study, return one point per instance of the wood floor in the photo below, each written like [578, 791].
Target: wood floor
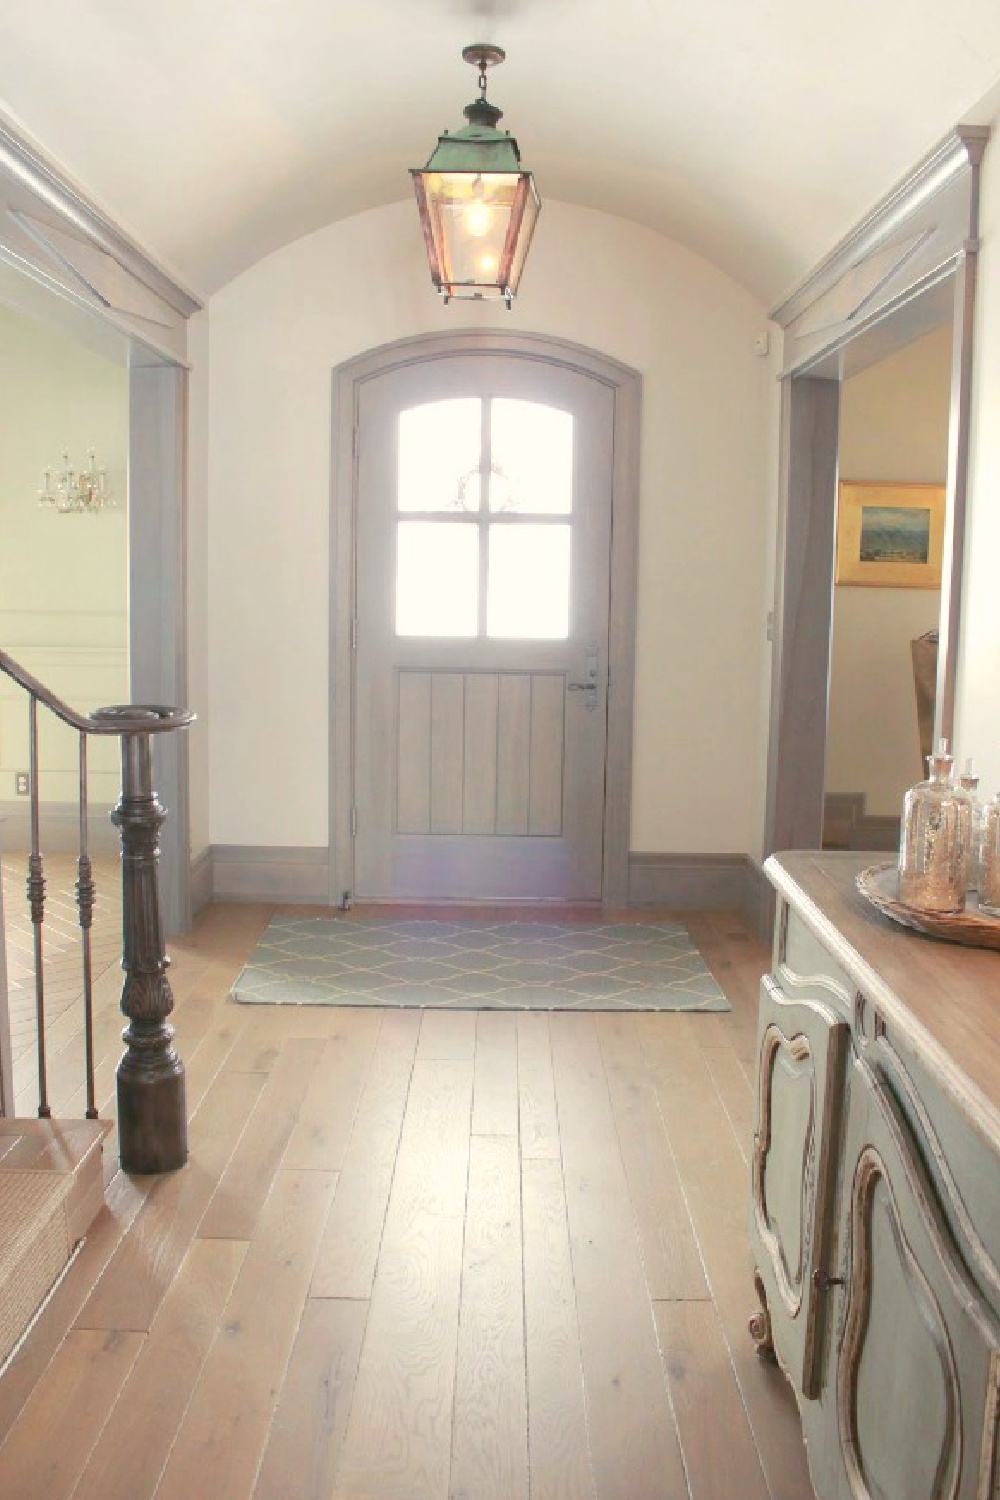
[61, 939]
[474, 1255]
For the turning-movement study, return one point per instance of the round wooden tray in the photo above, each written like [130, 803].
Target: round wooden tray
[879, 884]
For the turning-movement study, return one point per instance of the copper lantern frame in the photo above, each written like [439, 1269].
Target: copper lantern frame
[477, 169]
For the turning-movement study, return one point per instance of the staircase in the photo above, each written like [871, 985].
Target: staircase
[51, 1171]
[847, 824]
[51, 1190]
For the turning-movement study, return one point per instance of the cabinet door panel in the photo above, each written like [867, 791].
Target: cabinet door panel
[801, 1049]
[917, 1357]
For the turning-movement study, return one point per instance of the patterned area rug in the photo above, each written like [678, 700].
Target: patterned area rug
[478, 965]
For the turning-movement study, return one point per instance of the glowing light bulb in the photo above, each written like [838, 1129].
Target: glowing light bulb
[477, 220]
[487, 264]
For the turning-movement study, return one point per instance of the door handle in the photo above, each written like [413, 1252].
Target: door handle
[589, 684]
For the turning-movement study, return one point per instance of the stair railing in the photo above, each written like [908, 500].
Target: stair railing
[152, 1118]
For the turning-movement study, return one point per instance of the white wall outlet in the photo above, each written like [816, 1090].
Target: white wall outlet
[22, 784]
[761, 342]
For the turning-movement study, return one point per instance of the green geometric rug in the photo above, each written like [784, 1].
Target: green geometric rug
[456, 965]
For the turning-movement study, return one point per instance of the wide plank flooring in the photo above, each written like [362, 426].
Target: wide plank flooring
[414, 1256]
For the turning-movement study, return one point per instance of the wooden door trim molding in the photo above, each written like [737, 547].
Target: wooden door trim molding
[921, 234]
[70, 256]
[158, 620]
[626, 385]
[65, 242]
[913, 236]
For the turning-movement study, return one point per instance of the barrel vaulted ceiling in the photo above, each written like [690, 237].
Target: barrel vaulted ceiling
[756, 133]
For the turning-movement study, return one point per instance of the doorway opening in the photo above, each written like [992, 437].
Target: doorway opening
[908, 269]
[64, 584]
[483, 622]
[893, 468]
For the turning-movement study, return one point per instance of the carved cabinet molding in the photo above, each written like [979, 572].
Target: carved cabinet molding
[800, 1063]
[915, 1389]
[874, 1218]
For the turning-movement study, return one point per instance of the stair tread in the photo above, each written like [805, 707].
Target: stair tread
[49, 1146]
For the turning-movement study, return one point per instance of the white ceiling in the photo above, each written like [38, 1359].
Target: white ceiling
[754, 131]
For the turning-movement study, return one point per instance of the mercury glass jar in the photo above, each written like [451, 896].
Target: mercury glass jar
[935, 840]
[969, 782]
[989, 888]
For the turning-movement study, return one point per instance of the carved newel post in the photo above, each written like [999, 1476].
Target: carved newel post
[152, 1116]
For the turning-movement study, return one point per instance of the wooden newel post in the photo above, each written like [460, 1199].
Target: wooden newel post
[152, 1115]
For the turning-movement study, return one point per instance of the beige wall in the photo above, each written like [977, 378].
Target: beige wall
[63, 579]
[278, 331]
[977, 725]
[893, 426]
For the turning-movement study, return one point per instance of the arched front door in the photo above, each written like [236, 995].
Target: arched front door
[483, 568]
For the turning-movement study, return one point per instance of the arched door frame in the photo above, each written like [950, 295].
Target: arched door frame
[626, 385]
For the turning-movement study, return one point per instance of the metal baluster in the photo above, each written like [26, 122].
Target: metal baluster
[36, 901]
[85, 894]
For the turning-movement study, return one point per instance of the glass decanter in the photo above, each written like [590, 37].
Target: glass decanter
[989, 887]
[935, 840]
[969, 782]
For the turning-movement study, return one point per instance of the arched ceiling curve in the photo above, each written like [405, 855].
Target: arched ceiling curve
[217, 131]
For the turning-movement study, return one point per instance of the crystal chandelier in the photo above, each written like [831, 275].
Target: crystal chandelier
[73, 492]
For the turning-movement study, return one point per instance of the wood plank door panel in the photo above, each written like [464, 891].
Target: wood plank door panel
[482, 599]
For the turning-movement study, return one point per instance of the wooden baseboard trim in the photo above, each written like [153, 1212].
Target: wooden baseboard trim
[699, 882]
[247, 872]
[672, 882]
[760, 903]
[202, 881]
[60, 828]
[847, 824]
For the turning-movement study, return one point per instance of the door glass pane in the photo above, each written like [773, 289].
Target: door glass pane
[439, 453]
[437, 578]
[532, 458]
[527, 596]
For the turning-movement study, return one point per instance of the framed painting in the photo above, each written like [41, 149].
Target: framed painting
[890, 535]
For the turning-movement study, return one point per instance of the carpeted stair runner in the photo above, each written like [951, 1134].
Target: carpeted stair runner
[51, 1188]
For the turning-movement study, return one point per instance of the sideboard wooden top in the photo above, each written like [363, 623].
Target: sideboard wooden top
[944, 997]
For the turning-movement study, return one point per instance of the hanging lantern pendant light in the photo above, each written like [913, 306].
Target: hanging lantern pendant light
[477, 206]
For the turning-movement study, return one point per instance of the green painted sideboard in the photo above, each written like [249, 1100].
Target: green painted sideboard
[875, 1192]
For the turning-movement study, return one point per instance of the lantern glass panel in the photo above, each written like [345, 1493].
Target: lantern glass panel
[470, 215]
[531, 207]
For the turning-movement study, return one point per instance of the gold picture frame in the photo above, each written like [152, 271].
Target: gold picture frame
[890, 535]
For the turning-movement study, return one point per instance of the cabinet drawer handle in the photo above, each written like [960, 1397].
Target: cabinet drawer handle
[822, 1281]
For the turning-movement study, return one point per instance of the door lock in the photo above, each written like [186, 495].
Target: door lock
[589, 683]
